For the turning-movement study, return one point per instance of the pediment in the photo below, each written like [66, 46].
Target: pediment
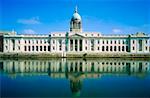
[76, 36]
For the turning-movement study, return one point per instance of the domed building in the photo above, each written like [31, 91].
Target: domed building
[75, 43]
[75, 23]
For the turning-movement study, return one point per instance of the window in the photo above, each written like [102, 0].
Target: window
[103, 41]
[19, 41]
[110, 48]
[60, 44]
[115, 48]
[107, 41]
[33, 41]
[92, 44]
[40, 48]
[123, 48]
[86, 41]
[146, 48]
[86, 48]
[25, 48]
[97, 48]
[29, 41]
[25, 42]
[18, 47]
[53, 41]
[123, 42]
[41, 41]
[97, 41]
[127, 49]
[132, 48]
[32, 48]
[36, 48]
[53, 48]
[111, 41]
[146, 42]
[118, 41]
[6, 47]
[119, 48]
[133, 42]
[140, 45]
[106, 48]
[29, 48]
[115, 42]
[37, 41]
[49, 48]
[45, 41]
[103, 48]
[44, 48]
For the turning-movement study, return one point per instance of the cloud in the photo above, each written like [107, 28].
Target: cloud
[116, 30]
[29, 31]
[33, 20]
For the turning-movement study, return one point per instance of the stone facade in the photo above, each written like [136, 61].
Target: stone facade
[74, 41]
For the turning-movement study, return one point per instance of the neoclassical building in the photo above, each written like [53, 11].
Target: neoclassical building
[75, 41]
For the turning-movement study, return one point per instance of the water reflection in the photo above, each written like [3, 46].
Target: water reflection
[75, 70]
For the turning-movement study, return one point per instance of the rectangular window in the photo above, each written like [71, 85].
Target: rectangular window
[132, 48]
[140, 45]
[119, 48]
[49, 48]
[103, 42]
[110, 48]
[32, 48]
[29, 48]
[44, 48]
[60, 44]
[111, 41]
[123, 48]
[86, 48]
[115, 48]
[25, 48]
[106, 48]
[18, 47]
[133, 42]
[103, 48]
[92, 44]
[146, 48]
[80, 45]
[40, 48]
[97, 41]
[36, 48]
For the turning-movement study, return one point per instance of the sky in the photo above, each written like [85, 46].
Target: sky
[46, 16]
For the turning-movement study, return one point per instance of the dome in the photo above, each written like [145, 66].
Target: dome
[76, 16]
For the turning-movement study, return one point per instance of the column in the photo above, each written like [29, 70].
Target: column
[78, 45]
[73, 45]
[69, 45]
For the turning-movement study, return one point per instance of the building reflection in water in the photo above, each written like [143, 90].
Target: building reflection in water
[75, 70]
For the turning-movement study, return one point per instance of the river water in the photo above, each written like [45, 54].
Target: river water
[75, 77]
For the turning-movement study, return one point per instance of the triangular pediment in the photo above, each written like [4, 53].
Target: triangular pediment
[76, 36]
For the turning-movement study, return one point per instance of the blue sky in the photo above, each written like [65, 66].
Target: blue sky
[105, 16]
